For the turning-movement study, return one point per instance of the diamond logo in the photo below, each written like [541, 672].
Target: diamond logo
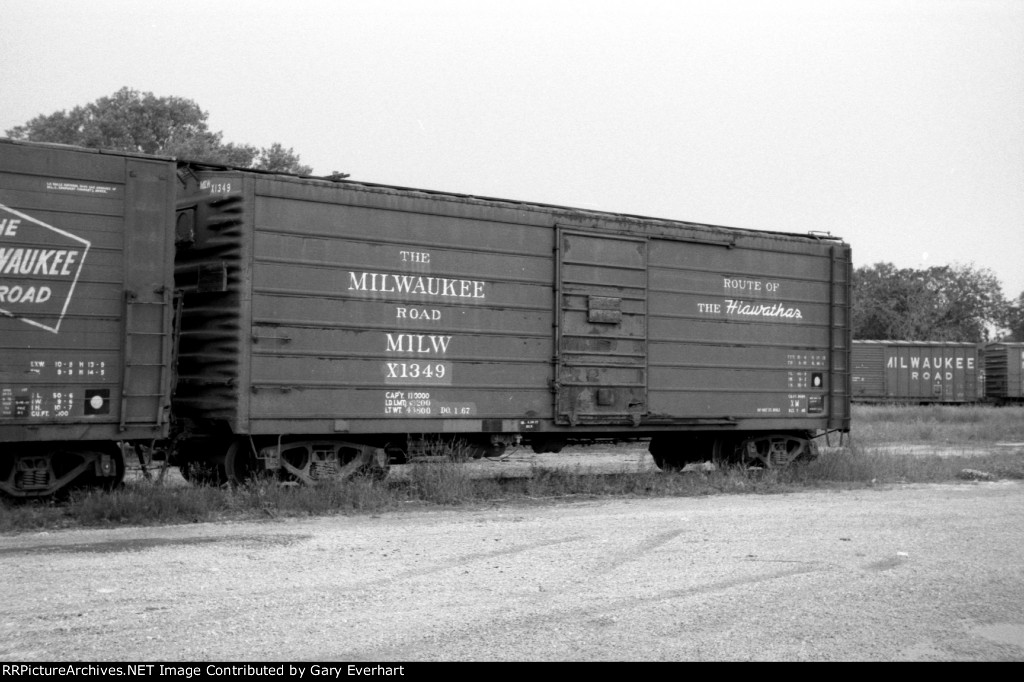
[39, 268]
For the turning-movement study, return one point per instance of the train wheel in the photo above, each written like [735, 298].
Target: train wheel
[109, 469]
[673, 451]
[312, 462]
[62, 468]
[664, 453]
[776, 450]
[240, 463]
[101, 468]
[668, 463]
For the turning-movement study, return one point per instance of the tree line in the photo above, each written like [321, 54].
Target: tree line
[940, 303]
[134, 121]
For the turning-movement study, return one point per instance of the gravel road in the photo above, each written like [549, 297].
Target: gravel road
[903, 573]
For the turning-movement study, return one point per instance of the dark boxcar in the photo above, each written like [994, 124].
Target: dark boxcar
[86, 255]
[1004, 371]
[916, 371]
[377, 314]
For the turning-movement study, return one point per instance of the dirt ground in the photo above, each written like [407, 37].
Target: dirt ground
[911, 572]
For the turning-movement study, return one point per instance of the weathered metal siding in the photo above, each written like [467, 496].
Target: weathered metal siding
[367, 309]
[1004, 371]
[86, 355]
[370, 309]
[602, 329]
[868, 370]
[916, 371]
[752, 328]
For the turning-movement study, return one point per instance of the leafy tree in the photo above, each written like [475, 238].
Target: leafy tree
[888, 303]
[942, 303]
[969, 303]
[1015, 319]
[135, 121]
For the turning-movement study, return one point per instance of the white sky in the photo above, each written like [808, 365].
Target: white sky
[897, 124]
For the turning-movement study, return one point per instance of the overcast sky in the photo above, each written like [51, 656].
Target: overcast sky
[897, 125]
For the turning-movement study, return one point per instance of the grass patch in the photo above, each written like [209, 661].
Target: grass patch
[860, 464]
[889, 424]
[874, 458]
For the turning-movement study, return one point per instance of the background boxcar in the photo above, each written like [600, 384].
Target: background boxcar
[374, 314]
[916, 372]
[86, 299]
[1004, 371]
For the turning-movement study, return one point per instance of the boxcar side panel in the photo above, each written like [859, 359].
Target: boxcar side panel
[917, 371]
[390, 312]
[935, 372]
[85, 268]
[1015, 375]
[387, 310]
[748, 331]
[868, 370]
[1015, 371]
[1004, 371]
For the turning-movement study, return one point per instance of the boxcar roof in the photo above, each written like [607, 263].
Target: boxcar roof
[914, 343]
[354, 184]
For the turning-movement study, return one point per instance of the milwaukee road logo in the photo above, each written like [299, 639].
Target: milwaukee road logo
[434, 287]
[39, 268]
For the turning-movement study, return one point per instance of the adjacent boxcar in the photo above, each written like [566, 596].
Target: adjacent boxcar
[378, 315]
[916, 372]
[1004, 371]
[86, 298]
